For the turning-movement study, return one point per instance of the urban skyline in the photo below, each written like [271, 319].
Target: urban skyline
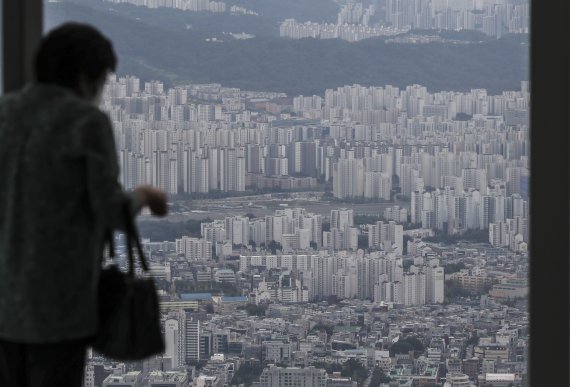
[369, 235]
[473, 144]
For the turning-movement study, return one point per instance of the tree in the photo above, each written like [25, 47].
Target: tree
[403, 198]
[246, 374]
[463, 117]
[412, 226]
[401, 347]
[378, 377]
[333, 299]
[160, 231]
[255, 310]
[328, 367]
[209, 308]
[305, 66]
[274, 246]
[416, 344]
[453, 290]
[454, 267]
[162, 284]
[473, 340]
[404, 346]
[329, 329]
[352, 368]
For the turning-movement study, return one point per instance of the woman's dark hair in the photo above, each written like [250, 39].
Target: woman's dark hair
[70, 50]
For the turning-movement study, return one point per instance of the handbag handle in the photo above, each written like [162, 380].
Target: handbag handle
[131, 233]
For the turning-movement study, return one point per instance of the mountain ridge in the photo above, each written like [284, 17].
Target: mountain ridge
[306, 66]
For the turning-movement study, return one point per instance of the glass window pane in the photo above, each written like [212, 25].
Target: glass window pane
[354, 168]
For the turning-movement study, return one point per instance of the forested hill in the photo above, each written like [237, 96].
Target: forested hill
[307, 66]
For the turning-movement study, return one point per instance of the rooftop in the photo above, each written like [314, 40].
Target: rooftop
[167, 376]
[196, 296]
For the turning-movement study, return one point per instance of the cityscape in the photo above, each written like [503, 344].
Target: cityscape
[400, 16]
[369, 235]
[438, 164]
[356, 21]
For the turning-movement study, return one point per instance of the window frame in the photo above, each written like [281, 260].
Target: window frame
[549, 190]
[549, 362]
[22, 24]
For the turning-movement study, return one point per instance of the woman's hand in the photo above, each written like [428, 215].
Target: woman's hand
[152, 197]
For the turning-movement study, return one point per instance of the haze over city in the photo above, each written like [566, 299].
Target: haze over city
[347, 184]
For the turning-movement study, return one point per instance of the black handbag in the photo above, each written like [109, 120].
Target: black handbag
[129, 315]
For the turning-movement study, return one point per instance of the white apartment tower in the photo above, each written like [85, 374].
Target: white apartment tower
[175, 338]
[341, 218]
[435, 280]
[194, 249]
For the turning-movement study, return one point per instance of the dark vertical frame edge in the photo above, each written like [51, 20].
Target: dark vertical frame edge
[550, 194]
[22, 26]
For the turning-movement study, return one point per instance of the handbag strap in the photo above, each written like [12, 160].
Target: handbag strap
[110, 240]
[132, 234]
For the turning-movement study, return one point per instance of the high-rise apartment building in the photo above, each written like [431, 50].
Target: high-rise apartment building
[175, 338]
[342, 218]
[194, 249]
[193, 341]
[386, 235]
